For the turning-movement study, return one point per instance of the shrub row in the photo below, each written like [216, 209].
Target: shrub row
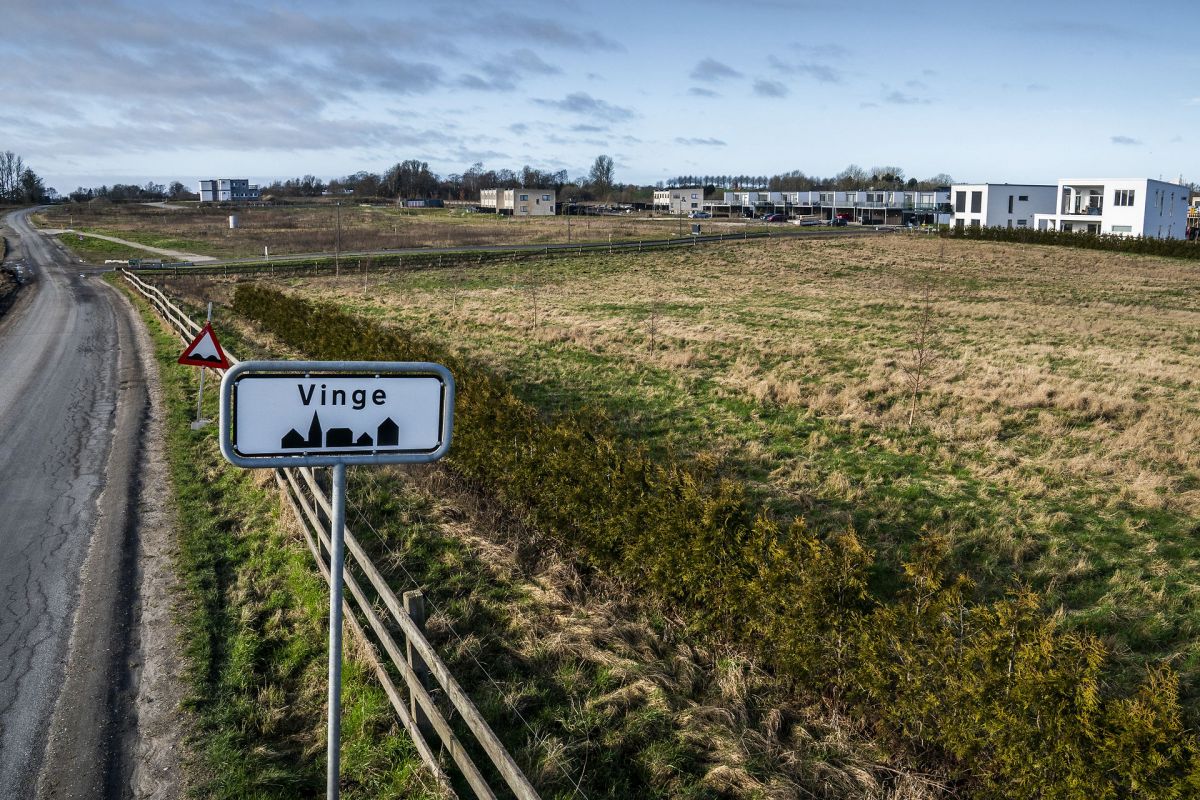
[1173, 248]
[1017, 706]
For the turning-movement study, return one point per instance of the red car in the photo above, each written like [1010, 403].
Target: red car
[775, 218]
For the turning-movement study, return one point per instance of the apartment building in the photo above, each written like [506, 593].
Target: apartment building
[1000, 205]
[1121, 206]
[519, 202]
[227, 190]
[679, 201]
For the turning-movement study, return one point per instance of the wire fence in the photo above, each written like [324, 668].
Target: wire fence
[426, 698]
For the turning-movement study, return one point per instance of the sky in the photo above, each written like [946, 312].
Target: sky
[105, 91]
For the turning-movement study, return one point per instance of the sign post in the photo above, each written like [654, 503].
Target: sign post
[335, 414]
[204, 351]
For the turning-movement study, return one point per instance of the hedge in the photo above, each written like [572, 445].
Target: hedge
[996, 691]
[1172, 248]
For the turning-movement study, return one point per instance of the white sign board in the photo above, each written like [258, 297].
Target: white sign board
[321, 413]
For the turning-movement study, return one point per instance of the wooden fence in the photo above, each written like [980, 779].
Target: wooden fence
[426, 685]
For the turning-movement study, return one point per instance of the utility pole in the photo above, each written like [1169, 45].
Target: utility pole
[337, 252]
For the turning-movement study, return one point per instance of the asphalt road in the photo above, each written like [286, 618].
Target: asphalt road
[71, 407]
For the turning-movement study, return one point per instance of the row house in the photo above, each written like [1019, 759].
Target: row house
[866, 206]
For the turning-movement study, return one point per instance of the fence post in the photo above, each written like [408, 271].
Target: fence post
[414, 606]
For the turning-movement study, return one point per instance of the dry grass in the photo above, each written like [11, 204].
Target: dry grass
[314, 228]
[1055, 439]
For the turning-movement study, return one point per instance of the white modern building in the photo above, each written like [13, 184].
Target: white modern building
[679, 201]
[227, 190]
[999, 205]
[1121, 206]
[519, 202]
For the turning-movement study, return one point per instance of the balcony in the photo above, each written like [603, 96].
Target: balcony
[1082, 201]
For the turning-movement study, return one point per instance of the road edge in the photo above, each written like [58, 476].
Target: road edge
[109, 650]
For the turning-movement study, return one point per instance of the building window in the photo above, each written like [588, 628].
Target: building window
[695, 205]
[976, 202]
[974, 223]
[1010, 205]
[1122, 229]
[695, 196]
[1021, 223]
[524, 209]
[1123, 197]
[525, 197]
[546, 197]
[1024, 198]
[959, 223]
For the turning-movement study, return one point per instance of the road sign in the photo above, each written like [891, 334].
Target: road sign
[205, 350]
[279, 413]
[335, 413]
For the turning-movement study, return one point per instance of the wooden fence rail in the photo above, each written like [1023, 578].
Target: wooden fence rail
[413, 658]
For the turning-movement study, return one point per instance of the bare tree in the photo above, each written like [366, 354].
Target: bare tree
[12, 167]
[602, 175]
[922, 356]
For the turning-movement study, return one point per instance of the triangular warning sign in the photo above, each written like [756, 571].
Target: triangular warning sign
[205, 351]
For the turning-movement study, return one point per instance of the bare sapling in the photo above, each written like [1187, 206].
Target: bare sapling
[652, 328]
[533, 289]
[923, 355]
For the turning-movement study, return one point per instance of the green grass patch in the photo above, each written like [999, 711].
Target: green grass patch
[97, 251]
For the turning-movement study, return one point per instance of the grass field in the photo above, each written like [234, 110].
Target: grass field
[314, 228]
[594, 694]
[1055, 425]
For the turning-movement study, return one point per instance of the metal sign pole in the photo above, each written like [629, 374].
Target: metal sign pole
[332, 414]
[200, 396]
[336, 562]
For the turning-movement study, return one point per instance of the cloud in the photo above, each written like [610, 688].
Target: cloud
[819, 72]
[765, 88]
[589, 128]
[508, 27]
[519, 127]
[710, 70]
[583, 103]
[899, 98]
[1127, 140]
[696, 142]
[697, 91]
[829, 50]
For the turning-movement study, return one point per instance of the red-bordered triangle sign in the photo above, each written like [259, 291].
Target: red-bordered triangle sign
[205, 351]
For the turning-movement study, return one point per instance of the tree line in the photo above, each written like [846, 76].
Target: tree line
[852, 177]
[413, 178]
[18, 183]
[129, 192]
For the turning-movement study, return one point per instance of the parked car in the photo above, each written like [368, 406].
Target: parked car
[838, 221]
[775, 218]
[700, 215]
